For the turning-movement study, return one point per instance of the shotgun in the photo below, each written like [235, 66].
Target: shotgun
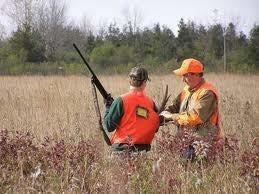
[107, 96]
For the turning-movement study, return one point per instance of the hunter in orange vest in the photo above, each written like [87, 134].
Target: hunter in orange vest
[195, 109]
[132, 117]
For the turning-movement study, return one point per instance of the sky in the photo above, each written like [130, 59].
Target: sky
[243, 13]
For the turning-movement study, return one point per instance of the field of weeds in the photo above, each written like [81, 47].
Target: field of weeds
[49, 140]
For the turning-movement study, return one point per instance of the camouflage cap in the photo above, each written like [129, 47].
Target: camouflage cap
[139, 73]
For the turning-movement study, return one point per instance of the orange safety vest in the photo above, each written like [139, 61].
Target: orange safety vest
[134, 127]
[215, 117]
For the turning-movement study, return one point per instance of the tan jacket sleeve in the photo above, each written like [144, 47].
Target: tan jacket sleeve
[200, 112]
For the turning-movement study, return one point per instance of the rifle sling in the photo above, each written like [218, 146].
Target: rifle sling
[98, 113]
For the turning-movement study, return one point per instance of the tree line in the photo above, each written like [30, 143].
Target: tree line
[42, 43]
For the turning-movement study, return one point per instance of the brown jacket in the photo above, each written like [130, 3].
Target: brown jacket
[198, 109]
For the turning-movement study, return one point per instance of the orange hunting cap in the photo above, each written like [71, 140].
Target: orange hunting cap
[189, 66]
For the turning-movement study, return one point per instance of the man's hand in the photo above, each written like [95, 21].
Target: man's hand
[108, 101]
[166, 116]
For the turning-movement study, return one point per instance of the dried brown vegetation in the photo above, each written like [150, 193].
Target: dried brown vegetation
[49, 141]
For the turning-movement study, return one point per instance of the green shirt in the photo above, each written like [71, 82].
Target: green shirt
[113, 114]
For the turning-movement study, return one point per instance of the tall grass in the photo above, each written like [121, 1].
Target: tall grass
[49, 140]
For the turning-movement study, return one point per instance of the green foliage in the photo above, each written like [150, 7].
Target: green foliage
[167, 67]
[70, 57]
[118, 69]
[124, 55]
[151, 60]
[212, 64]
[254, 46]
[28, 42]
[73, 68]
[215, 40]
[103, 54]
[163, 44]
[113, 34]
[108, 55]
[242, 68]
[117, 49]
[185, 40]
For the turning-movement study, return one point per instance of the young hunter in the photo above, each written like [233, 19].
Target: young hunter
[132, 117]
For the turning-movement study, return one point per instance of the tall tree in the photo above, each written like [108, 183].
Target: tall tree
[254, 46]
[2, 32]
[56, 19]
[47, 16]
[27, 43]
[20, 11]
[185, 39]
[201, 43]
[114, 35]
[164, 43]
[143, 45]
[242, 40]
[215, 40]
[231, 37]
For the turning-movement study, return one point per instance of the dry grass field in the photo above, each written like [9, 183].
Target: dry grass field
[49, 140]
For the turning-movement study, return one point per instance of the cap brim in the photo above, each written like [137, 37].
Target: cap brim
[179, 72]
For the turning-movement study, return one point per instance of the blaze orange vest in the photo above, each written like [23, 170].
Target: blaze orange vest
[134, 128]
[215, 117]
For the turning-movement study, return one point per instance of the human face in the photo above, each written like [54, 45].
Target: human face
[192, 79]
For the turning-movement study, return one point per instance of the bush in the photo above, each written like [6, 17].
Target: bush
[242, 68]
[102, 55]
